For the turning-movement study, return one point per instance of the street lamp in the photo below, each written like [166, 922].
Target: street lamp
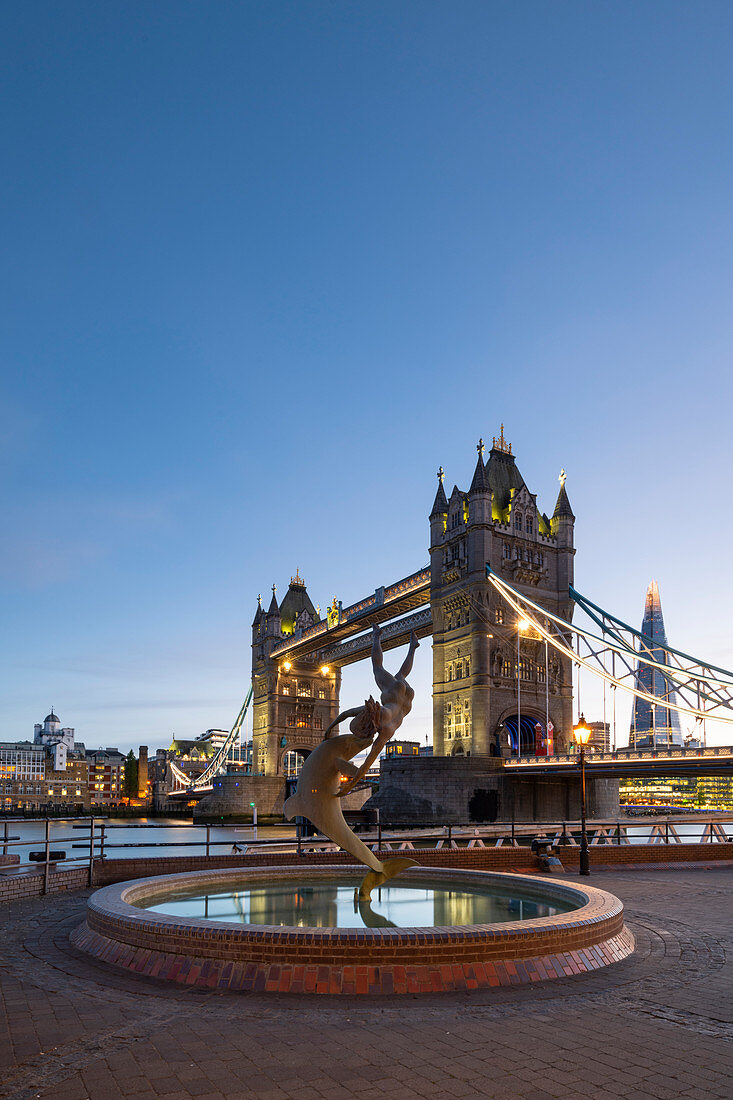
[582, 733]
[522, 628]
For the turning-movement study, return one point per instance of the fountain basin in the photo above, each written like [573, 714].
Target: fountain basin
[221, 954]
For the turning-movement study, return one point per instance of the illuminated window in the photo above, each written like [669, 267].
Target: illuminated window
[541, 674]
[499, 615]
[286, 689]
[506, 668]
[321, 693]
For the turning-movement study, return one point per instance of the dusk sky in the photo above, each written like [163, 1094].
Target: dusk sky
[266, 266]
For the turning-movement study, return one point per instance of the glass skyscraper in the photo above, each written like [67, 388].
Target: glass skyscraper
[654, 724]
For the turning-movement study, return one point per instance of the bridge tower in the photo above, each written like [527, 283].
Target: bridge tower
[486, 700]
[294, 701]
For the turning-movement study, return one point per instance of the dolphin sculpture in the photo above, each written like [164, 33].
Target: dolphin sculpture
[319, 792]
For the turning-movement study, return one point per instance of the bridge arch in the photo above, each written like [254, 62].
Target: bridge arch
[521, 742]
[292, 759]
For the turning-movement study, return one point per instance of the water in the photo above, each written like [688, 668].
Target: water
[332, 904]
[144, 833]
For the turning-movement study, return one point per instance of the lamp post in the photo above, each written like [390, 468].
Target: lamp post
[582, 733]
[522, 627]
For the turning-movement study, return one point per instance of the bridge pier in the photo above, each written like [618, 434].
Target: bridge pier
[457, 790]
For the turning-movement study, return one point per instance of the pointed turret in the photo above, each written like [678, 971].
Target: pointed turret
[480, 483]
[563, 520]
[440, 504]
[562, 507]
[258, 613]
[273, 609]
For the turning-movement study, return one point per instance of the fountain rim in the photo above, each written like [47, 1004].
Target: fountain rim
[118, 902]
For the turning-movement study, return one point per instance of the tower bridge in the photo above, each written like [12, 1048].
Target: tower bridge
[498, 600]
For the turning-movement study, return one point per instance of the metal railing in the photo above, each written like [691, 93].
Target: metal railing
[100, 843]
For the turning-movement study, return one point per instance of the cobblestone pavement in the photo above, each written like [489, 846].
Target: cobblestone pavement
[659, 1024]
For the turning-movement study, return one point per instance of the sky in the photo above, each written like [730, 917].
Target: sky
[265, 267]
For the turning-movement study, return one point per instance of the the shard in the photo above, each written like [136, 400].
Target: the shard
[654, 725]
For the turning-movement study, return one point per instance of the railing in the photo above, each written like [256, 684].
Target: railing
[622, 755]
[99, 842]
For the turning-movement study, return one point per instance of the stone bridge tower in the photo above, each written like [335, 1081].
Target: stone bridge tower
[294, 701]
[476, 674]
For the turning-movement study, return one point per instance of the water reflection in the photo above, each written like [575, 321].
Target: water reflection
[333, 905]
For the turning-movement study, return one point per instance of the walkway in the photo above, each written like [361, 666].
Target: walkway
[659, 1025]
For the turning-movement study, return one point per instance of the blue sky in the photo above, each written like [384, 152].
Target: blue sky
[266, 266]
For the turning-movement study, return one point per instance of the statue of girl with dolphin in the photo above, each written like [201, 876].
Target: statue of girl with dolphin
[321, 783]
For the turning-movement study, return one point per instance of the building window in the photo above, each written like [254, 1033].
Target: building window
[286, 689]
[506, 668]
[541, 674]
[468, 667]
[321, 693]
[518, 523]
[499, 615]
[450, 673]
[540, 559]
[317, 722]
[530, 525]
[304, 688]
[459, 670]
[507, 550]
[525, 670]
[518, 553]
[448, 708]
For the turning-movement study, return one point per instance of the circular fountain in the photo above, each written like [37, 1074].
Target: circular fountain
[286, 930]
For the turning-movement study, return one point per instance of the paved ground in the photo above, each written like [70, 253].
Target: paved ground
[658, 1025]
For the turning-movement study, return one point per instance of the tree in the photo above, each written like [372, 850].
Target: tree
[130, 779]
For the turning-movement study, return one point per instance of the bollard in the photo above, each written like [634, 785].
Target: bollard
[46, 865]
[91, 851]
[208, 840]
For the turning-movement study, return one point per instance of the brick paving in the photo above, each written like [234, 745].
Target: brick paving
[657, 1025]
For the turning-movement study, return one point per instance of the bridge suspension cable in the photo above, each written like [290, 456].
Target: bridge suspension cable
[692, 687]
[219, 761]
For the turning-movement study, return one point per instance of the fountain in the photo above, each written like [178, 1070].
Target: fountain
[335, 930]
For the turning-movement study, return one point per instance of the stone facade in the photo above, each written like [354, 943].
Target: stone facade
[481, 684]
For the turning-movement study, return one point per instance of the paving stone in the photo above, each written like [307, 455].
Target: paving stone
[658, 1025]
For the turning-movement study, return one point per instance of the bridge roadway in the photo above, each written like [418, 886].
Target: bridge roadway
[622, 764]
[629, 763]
[384, 605]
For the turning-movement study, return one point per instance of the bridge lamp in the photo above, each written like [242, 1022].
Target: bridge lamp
[325, 670]
[287, 666]
[523, 626]
[582, 733]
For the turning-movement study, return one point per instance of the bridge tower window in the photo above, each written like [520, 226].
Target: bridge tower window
[459, 670]
[506, 668]
[499, 613]
[518, 522]
[530, 525]
[507, 550]
[450, 673]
